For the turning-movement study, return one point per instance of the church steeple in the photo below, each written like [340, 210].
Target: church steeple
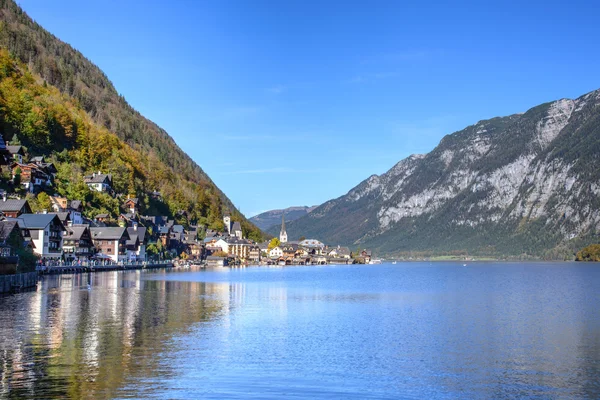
[283, 233]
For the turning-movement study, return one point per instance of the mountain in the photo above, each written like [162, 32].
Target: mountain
[60, 105]
[271, 218]
[525, 185]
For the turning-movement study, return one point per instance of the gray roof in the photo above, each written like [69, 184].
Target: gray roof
[236, 227]
[178, 228]
[75, 204]
[102, 216]
[235, 240]
[37, 221]
[108, 233]
[163, 229]
[211, 233]
[15, 149]
[97, 178]
[63, 216]
[37, 159]
[12, 204]
[140, 233]
[6, 228]
[75, 232]
[343, 251]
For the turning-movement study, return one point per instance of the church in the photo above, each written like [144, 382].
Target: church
[283, 234]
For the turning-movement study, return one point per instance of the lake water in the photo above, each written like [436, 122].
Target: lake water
[411, 330]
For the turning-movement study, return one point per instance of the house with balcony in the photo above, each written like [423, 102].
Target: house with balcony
[77, 243]
[254, 253]
[110, 242]
[136, 245]
[13, 208]
[45, 231]
[31, 176]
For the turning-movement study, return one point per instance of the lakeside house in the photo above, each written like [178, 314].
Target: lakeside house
[216, 262]
[45, 231]
[136, 245]
[77, 243]
[9, 232]
[110, 242]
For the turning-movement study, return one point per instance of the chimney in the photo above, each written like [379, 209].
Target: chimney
[44, 211]
[135, 226]
[4, 196]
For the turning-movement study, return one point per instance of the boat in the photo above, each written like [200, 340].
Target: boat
[375, 261]
[395, 262]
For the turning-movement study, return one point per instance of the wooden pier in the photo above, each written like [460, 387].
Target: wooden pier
[91, 267]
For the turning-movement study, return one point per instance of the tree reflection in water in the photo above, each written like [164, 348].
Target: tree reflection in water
[64, 340]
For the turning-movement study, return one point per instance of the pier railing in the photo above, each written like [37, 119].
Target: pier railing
[99, 265]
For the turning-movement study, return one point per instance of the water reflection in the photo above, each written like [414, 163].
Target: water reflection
[64, 340]
[406, 331]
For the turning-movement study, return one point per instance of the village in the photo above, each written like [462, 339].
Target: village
[61, 235]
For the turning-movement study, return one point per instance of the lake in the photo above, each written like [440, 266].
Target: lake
[411, 330]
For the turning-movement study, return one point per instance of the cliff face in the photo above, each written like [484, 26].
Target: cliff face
[523, 184]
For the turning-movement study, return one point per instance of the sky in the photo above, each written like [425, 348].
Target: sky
[290, 103]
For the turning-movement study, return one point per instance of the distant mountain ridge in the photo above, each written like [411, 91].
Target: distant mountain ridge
[269, 219]
[525, 185]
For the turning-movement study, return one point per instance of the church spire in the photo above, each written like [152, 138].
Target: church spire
[283, 233]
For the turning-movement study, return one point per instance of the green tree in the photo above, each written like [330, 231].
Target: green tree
[44, 202]
[17, 177]
[273, 243]
[152, 249]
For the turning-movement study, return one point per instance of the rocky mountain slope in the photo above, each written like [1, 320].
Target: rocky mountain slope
[272, 218]
[523, 185]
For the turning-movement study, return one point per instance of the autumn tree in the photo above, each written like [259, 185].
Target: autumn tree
[273, 243]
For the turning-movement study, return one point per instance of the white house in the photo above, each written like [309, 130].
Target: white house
[222, 243]
[46, 233]
[276, 252]
[99, 182]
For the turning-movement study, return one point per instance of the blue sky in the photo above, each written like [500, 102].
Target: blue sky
[295, 102]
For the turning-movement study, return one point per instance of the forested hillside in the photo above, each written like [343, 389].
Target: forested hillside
[58, 104]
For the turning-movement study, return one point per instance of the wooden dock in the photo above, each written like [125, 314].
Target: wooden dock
[75, 268]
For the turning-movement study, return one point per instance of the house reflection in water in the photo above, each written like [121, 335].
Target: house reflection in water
[64, 340]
